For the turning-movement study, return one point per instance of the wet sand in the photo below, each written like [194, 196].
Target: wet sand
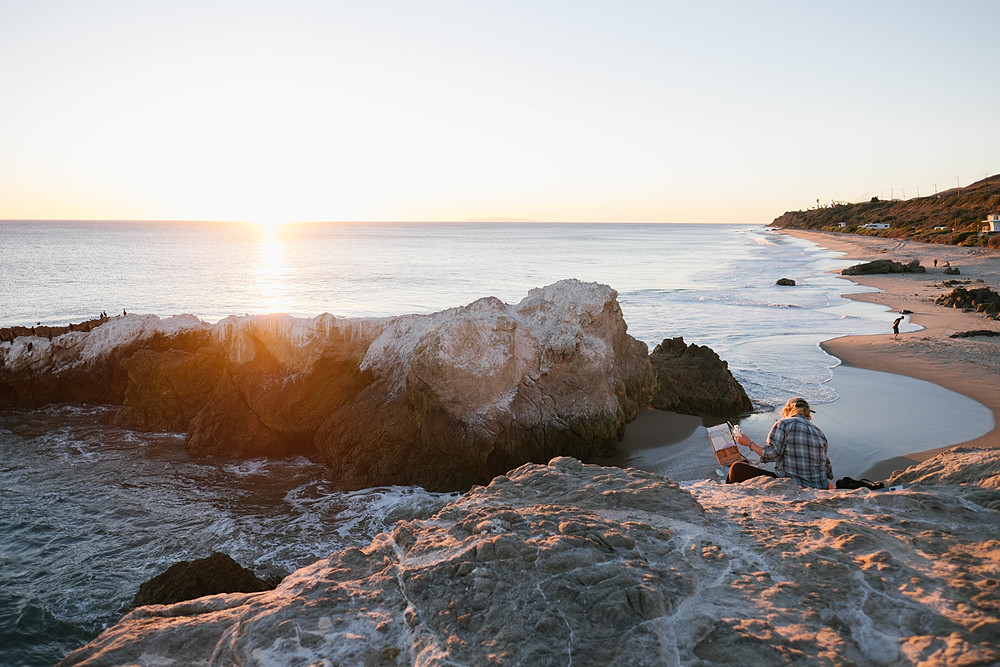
[899, 400]
[967, 366]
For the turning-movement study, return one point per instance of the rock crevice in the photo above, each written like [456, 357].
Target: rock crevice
[564, 561]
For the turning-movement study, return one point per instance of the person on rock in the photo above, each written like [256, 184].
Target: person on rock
[797, 447]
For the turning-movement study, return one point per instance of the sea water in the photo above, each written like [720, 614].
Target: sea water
[712, 284]
[90, 511]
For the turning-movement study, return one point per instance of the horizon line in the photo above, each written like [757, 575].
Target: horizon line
[478, 221]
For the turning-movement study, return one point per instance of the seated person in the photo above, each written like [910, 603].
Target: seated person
[797, 447]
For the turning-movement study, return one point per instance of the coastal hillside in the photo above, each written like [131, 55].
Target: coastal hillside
[953, 216]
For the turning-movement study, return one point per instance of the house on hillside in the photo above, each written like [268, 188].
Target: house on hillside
[875, 225]
[991, 225]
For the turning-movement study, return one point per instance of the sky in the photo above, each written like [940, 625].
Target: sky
[543, 110]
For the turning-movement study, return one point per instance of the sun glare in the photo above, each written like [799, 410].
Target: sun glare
[269, 228]
[272, 271]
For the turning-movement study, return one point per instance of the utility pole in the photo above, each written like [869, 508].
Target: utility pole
[935, 188]
[918, 192]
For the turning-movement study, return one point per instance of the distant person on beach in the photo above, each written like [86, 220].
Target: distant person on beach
[797, 447]
[935, 263]
[895, 327]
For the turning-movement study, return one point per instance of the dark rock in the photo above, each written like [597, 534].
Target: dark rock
[974, 333]
[189, 580]
[883, 266]
[904, 311]
[786, 282]
[952, 271]
[694, 380]
[982, 300]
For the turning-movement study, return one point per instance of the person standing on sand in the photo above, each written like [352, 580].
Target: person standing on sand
[797, 447]
[895, 327]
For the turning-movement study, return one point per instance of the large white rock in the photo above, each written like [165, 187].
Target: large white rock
[444, 400]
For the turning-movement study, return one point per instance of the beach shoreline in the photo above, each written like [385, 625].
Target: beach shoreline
[968, 366]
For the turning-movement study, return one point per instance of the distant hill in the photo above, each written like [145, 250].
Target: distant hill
[959, 210]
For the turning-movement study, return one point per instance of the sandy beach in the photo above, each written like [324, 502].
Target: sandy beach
[968, 366]
[898, 400]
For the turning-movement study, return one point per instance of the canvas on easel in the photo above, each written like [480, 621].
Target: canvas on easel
[724, 444]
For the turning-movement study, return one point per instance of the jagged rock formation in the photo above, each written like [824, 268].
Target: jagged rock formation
[982, 300]
[785, 282]
[883, 266]
[444, 400]
[693, 380]
[188, 580]
[577, 564]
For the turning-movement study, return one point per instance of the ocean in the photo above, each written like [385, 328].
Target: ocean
[90, 511]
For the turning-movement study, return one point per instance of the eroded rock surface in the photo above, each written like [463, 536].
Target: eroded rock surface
[444, 400]
[577, 564]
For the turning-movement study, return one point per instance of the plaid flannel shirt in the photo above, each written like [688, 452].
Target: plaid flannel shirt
[799, 451]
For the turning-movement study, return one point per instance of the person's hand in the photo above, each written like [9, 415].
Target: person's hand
[743, 439]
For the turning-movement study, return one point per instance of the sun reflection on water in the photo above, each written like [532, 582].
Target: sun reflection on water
[272, 272]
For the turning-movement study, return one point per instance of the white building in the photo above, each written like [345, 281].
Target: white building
[875, 225]
[991, 225]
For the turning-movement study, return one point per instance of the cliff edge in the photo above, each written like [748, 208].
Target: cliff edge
[569, 563]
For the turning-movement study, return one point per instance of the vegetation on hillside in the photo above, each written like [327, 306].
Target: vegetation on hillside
[954, 216]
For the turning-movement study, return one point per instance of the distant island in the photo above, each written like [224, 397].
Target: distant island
[956, 216]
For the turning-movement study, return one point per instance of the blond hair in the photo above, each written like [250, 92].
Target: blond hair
[795, 406]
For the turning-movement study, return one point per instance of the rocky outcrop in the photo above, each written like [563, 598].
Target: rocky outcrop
[88, 367]
[577, 564]
[188, 580]
[975, 333]
[982, 300]
[785, 282]
[693, 380]
[444, 400]
[883, 266]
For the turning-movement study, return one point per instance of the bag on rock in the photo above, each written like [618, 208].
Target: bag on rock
[851, 483]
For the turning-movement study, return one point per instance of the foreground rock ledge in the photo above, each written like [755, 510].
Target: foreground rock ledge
[444, 400]
[577, 564]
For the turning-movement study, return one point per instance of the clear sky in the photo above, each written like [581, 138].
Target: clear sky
[625, 110]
